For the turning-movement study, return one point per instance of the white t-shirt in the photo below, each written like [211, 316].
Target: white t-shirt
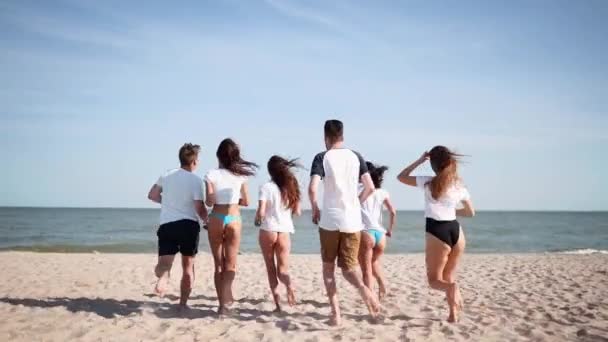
[277, 217]
[179, 190]
[371, 210]
[443, 209]
[340, 170]
[227, 185]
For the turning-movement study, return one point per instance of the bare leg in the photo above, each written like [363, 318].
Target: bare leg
[366, 294]
[365, 258]
[377, 268]
[232, 242]
[436, 258]
[282, 250]
[216, 238]
[187, 279]
[329, 278]
[162, 271]
[449, 274]
[267, 244]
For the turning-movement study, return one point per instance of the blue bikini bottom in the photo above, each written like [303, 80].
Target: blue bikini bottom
[226, 219]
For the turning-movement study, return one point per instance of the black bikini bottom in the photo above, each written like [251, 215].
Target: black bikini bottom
[446, 231]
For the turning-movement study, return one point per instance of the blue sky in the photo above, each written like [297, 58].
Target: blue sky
[97, 97]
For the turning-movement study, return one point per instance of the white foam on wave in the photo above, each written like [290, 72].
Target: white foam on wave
[585, 251]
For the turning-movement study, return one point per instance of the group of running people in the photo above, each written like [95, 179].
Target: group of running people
[351, 232]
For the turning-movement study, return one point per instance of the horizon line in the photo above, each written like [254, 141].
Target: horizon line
[253, 209]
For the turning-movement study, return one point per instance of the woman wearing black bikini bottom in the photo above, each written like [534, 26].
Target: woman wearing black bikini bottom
[445, 241]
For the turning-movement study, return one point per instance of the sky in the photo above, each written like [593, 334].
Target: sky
[98, 96]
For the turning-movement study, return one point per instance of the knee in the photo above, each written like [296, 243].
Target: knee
[218, 270]
[161, 268]
[230, 267]
[433, 279]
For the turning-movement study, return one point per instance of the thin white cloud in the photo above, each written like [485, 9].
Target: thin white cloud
[294, 10]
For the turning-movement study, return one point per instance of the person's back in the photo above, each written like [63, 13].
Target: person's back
[340, 220]
[277, 217]
[180, 195]
[443, 208]
[371, 210]
[180, 188]
[340, 170]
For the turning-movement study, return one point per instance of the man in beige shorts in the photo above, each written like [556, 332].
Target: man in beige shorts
[340, 226]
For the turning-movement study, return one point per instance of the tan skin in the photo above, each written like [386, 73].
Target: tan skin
[441, 260]
[370, 255]
[165, 262]
[350, 275]
[276, 245]
[224, 243]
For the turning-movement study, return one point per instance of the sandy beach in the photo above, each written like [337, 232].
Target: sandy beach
[107, 297]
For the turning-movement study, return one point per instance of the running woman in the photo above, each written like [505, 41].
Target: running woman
[444, 194]
[279, 200]
[373, 237]
[226, 190]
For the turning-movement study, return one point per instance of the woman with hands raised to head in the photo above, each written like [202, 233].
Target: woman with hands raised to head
[444, 194]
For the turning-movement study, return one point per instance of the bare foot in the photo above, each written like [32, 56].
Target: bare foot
[277, 302]
[291, 296]
[371, 302]
[223, 310]
[161, 286]
[183, 309]
[230, 300]
[335, 320]
[455, 302]
[381, 293]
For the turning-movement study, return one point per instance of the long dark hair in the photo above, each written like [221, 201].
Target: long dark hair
[280, 172]
[229, 156]
[377, 173]
[445, 164]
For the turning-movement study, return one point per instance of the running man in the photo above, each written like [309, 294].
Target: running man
[340, 222]
[180, 194]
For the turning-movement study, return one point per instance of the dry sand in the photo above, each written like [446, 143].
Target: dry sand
[107, 297]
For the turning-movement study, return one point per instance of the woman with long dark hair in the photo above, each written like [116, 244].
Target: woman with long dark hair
[279, 200]
[444, 193]
[226, 190]
[373, 239]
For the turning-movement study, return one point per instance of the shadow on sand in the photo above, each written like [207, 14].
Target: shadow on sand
[111, 308]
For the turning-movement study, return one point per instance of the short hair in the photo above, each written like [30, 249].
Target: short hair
[334, 130]
[188, 154]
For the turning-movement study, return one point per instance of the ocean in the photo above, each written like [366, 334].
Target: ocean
[134, 231]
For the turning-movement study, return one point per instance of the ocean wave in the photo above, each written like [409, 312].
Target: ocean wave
[584, 251]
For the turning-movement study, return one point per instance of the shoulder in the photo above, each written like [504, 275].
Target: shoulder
[320, 156]
[383, 193]
[211, 174]
[170, 173]
[269, 186]
[356, 153]
[194, 177]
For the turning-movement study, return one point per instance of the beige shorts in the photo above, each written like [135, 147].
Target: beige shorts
[343, 246]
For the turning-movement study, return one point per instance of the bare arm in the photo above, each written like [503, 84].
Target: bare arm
[368, 187]
[201, 210]
[404, 176]
[468, 210]
[209, 194]
[393, 216]
[244, 200]
[312, 195]
[259, 214]
[154, 194]
[298, 210]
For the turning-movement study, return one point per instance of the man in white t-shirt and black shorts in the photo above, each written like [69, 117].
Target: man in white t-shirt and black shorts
[180, 194]
[340, 222]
